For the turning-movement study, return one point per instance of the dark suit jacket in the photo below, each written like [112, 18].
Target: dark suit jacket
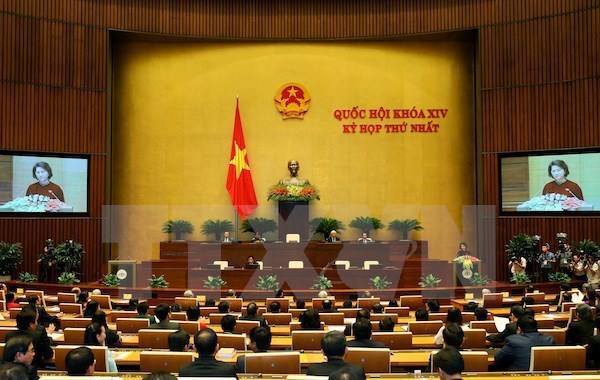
[593, 352]
[366, 343]
[240, 364]
[328, 367]
[516, 353]
[510, 329]
[330, 240]
[207, 366]
[262, 320]
[165, 325]
[41, 344]
[580, 332]
[148, 317]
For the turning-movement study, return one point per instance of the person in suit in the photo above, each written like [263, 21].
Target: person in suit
[112, 338]
[450, 363]
[16, 371]
[228, 324]
[162, 313]
[335, 348]
[362, 314]
[333, 238]
[365, 239]
[516, 312]
[362, 335]
[142, 310]
[310, 320]
[179, 341]
[328, 307]
[386, 324]
[516, 353]
[251, 315]
[579, 332]
[80, 362]
[207, 345]
[258, 239]
[95, 335]
[27, 325]
[226, 238]
[19, 350]
[260, 341]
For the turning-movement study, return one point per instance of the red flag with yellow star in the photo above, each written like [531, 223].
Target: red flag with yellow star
[239, 178]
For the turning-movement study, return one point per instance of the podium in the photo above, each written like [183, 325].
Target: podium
[293, 219]
[125, 271]
[462, 276]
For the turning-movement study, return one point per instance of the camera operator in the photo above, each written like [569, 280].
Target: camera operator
[547, 260]
[564, 257]
[46, 262]
[577, 267]
[517, 264]
[593, 276]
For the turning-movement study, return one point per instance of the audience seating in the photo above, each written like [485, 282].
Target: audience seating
[296, 326]
[75, 322]
[475, 361]
[39, 293]
[215, 318]
[100, 355]
[4, 331]
[349, 312]
[445, 308]
[153, 361]
[474, 338]
[401, 311]
[278, 318]
[373, 360]
[317, 303]
[132, 325]
[556, 358]
[332, 318]
[74, 335]
[545, 323]
[394, 340]
[244, 327]
[273, 362]
[116, 314]
[103, 300]
[179, 316]
[412, 302]
[559, 335]
[367, 303]
[566, 306]
[206, 311]
[537, 297]
[375, 318]
[66, 297]
[235, 304]
[424, 327]
[237, 341]
[186, 302]
[488, 326]
[307, 339]
[492, 300]
[71, 308]
[154, 338]
[13, 313]
[191, 327]
[539, 309]
[284, 302]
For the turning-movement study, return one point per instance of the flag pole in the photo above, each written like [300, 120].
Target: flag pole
[237, 215]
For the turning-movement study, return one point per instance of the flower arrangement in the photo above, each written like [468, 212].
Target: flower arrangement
[282, 192]
[466, 261]
[34, 203]
[553, 202]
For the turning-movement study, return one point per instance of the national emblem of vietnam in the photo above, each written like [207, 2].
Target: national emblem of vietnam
[292, 101]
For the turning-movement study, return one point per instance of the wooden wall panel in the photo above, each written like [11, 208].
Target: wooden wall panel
[539, 76]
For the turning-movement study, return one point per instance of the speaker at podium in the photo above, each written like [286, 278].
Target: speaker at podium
[124, 270]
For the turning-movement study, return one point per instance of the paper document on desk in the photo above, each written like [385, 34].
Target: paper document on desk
[577, 297]
[56, 336]
[120, 355]
[501, 323]
[336, 327]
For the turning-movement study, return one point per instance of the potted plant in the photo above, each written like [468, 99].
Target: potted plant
[366, 224]
[68, 278]
[27, 277]
[216, 227]
[322, 283]
[68, 256]
[588, 247]
[178, 228]
[429, 281]
[325, 225]
[405, 226]
[267, 282]
[214, 282]
[522, 245]
[520, 278]
[378, 282]
[11, 256]
[479, 280]
[111, 280]
[260, 225]
[157, 282]
[559, 277]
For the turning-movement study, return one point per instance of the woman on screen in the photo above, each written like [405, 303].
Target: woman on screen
[559, 170]
[42, 172]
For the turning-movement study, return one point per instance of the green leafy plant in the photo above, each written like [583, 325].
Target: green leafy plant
[520, 278]
[479, 280]
[405, 226]
[521, 245]
[68, 278]
[429, 281]
[158, 282]
[322, 283]
[214, 282]
[324, 226]
[366, 224]
[27, 277]
[111, 280]
[559, 277]
[260, 225]
[380, 282]
[68, 256]
[587, 247]
[216, 227]
[178, 228]
[267, 282]
[11, 256]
